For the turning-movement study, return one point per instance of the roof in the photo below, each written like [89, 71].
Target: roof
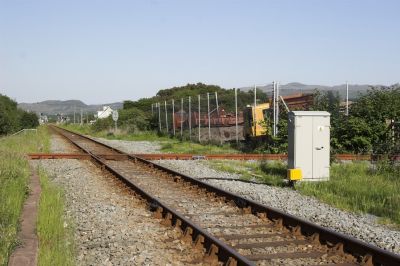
[310, 113]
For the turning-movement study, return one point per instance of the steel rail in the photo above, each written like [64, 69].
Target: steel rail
[190, 156]
[371, 255]
[216, 249]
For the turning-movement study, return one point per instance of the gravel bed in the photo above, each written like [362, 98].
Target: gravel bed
[361, 226]
[133, 146]
[58, 145]
[112, 226]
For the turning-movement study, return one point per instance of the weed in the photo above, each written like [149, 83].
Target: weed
[54, 232]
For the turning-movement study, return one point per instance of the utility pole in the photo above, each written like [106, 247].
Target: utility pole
[87, 118]
[173, 116]
[199, 121]
[190, 118]
[182, 118]
[152, 111]
[208, 112]
[236, 117]
[166, 116]
[74, 112]
[81, 123]
[347, 98]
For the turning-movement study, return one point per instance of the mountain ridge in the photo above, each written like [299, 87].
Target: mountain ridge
[297, 87]
[53, 107]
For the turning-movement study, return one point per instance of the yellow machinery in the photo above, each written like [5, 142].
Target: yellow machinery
[254, 127]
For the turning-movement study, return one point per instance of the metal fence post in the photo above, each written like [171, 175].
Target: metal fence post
[190, 118]
[199, 119]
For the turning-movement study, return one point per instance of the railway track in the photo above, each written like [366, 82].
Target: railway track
[230, 229]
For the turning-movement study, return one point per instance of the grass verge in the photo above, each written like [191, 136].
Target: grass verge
[54, 232]
[14, 176]
[356, 187]
[353, 186]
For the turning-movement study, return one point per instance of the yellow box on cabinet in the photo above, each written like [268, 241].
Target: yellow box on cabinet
[294, 174]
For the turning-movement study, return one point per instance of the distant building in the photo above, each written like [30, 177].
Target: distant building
[43, 119]
[106, 112]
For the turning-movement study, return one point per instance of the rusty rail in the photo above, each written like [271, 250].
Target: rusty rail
[179, 156]
[369, 254]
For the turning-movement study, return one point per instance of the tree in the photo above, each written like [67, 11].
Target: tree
[28, 119]
[8, 115]
[378, 107]
[12, 118]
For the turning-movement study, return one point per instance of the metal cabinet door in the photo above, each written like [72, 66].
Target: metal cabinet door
[321, 147]
[303, 144]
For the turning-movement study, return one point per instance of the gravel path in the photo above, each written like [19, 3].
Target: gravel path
[361, 226]
[112, 227]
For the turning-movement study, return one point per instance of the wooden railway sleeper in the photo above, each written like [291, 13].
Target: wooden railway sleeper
[187, 235]
[337, 249]
[158, 213]
[296, 230]
[231, 262]
[278, 223]
[262, 215]
[246, 210]
[178, 224]
[199, 242]
[167, 220]
[212, 257]
[367, 260]
[314, 238]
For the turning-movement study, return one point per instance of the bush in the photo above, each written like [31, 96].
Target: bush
[133, 120]
[103, 124]
[13, 119]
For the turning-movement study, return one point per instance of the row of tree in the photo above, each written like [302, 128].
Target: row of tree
[372, 125]
[13, 119]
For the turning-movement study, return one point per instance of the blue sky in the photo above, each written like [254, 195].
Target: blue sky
[105, 51]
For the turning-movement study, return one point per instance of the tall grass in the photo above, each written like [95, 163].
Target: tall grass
[14, 176]
[358, 187]
[55, 234]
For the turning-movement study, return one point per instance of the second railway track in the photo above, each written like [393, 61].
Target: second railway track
[231, 229]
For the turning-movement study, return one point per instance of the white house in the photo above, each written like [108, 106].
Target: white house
[106, 112]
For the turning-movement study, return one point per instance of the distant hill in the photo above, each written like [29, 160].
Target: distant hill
[296, 87]
[53, 107]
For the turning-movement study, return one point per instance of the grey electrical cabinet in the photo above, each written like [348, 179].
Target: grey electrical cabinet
[309, 144]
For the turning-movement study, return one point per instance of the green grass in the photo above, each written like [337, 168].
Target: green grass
[352, 186]
[54, 232]
[356, 187]
[176, 146]
[14, 175]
